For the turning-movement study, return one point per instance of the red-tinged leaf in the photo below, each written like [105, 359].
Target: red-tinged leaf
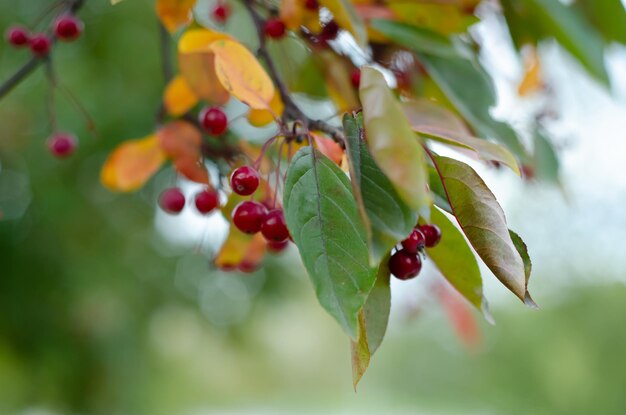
[174, 13]
[328, 147]
[241, 248]
[461, 317]
[131, 164]
[483, 222]
[182, 142]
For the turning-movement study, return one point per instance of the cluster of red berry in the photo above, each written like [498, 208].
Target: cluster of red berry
[251, 216]
[406, 262]
[66, 28]
[173, 201]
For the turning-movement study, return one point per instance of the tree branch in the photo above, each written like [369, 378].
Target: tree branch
[72, 7]
[292, 111]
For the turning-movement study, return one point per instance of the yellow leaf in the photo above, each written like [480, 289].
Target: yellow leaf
[131, 164]
[241, 74]
[197, 64]
[260, 118]
[178, 97]
[291, 13]
[241, 248]
[174, 13]
[533, 79]
[346, 16]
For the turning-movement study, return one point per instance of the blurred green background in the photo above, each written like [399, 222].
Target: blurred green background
[102, 312]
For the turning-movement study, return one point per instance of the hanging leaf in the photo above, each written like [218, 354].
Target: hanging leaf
[327, 147]
[197, 64]
[391, 220]
[182, 142]
[439, 124]
[456, 262]
[372, 323]
[322, 217]
[520, 245]
[131, 164]
[421, 40]
[240, 248]
[346, 17]
[607, 16]
[260, 118]
[483, 222]
[545, 160]
[533, 77]
[461, 317]
[174, 13]
[463, 82]
[391, 141]
[441, 18]
[178, 98]
[241, 74]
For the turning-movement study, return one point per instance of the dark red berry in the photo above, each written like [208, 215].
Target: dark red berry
[329, 31]
[68, 27]
[17, 36]
[172, 200]
[221, 12]
[311, 4]
[40, 44]
[404, 265]
[248, 216]
[414, 242]
[245, 180]
[275, 28]
[62, 145]
[207, 200]
[277, 246]
[528, 172]
[274, 227]
[355, 77]
[213, 120]
[432, 235]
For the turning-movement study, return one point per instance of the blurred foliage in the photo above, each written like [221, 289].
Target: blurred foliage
[98, 315]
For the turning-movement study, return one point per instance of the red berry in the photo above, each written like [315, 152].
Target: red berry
[274, 227]
[432, 235]
[40, 44]
[329, 31]
[275, 28]
[221, 12]
[62, 145]
[213, 120]
[244, 180]
[172, 200]
[405, 265]
[248, 216]
[17, 36]
[414, 242]
[207, 200]
[355, 77]
[311, 4]
[68, 27]
[277, 246]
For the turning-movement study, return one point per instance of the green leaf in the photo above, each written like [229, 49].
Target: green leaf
[545, 160]
[391, 220]
[520, 245]
[533, 20]
[323, 219]
[297, 67]
[607, 16]
[462, 80]
[439, 124]
[422, 40]
[372, 321]
[457, 263]
[483, 222]
[391, 141]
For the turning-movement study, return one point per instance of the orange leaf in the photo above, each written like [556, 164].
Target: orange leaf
[291, 13]
[241, 74]
[181, 141]
[178, 97]
[241, 248]
[533, 79]
[197, 64]
[260, 118]
[328, 147]
[131, 164]
[174, 13]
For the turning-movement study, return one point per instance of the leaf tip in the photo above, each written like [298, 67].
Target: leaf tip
[530, 302]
